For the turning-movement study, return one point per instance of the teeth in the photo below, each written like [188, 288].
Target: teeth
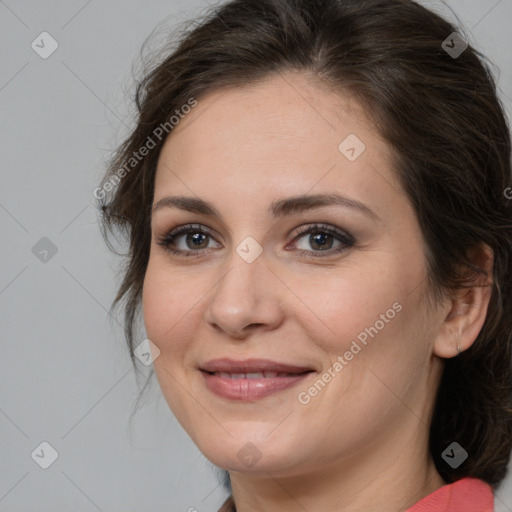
[252, 375]
[255, 375]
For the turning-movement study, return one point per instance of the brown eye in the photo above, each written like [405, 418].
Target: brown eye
[321, 238]
[193, 240]
[187, 240]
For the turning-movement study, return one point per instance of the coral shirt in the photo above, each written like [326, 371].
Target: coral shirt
[465, 495]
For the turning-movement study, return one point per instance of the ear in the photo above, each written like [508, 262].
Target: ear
[467, 308]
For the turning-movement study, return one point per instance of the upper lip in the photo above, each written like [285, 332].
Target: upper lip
[227, 365]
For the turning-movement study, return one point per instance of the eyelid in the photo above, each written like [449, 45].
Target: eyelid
[168, 236]
[346, 239]
[324, 227]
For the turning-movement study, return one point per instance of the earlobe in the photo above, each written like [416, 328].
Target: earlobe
[466, 316]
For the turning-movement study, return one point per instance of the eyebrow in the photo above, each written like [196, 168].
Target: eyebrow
[279, 208]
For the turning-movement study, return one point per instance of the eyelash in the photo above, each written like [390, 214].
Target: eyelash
[347, 240]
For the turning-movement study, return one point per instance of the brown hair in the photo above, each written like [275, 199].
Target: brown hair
[442, 118]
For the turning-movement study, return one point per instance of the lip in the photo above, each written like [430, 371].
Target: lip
[250, 389]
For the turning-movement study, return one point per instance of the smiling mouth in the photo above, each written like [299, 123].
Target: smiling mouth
[251, 386]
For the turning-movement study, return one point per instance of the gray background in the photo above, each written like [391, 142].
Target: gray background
[66, 374]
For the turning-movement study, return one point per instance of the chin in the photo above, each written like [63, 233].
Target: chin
[240, 453]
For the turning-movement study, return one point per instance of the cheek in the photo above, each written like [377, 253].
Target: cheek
[155, 304]
[166, 307]
[165, 304]
[348, 304]
[372, 321]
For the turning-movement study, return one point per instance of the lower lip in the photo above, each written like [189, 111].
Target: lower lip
[249, 389]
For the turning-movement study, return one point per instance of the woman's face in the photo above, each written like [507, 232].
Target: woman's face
[347, 302]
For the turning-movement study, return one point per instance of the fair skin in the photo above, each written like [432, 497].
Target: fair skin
[361, 444]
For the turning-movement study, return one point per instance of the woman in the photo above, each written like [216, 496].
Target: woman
[320, 239]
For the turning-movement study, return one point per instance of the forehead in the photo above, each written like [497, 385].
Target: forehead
[284, 135]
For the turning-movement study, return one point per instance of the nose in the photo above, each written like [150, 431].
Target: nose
[247, 298]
